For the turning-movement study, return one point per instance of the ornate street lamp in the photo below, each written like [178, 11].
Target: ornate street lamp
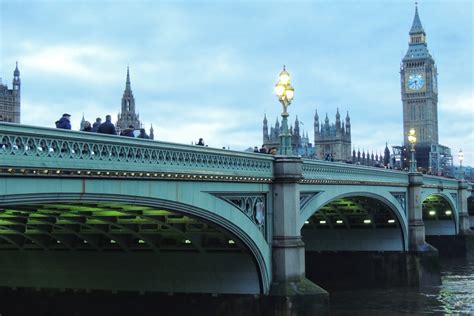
[461, 158]
[412, 141]
[285, 93]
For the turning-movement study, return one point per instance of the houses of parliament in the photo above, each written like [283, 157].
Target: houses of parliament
[419, 96]
[10, 99]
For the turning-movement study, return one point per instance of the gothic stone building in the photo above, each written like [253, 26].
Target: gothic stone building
[10, 102]
[128, 116]
[419, 93]
[331, 141]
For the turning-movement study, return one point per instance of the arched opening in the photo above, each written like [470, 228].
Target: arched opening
[470, 210]
[438, 216]
[122, 246]
[354, 223]
[355, 240]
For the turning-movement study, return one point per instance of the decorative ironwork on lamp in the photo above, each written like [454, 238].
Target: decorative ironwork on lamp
[285, 93]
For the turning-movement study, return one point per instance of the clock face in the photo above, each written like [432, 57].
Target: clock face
[416, 81]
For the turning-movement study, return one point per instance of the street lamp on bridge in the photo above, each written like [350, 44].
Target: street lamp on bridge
[461, 158]
[412, 141]
[285, 93]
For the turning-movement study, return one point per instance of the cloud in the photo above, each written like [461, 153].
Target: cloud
[80, 62]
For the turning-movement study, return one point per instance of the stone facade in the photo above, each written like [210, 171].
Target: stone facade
[127, 116]
[333, 141]
[10, 101]
[419, 91]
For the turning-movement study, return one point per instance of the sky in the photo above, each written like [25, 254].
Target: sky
[207, 68]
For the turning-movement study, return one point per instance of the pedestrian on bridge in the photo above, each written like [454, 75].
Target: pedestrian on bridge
[107, 127]
[87, 126]
[143, 134]
[128, 131]
[96, 124]
[64, 122]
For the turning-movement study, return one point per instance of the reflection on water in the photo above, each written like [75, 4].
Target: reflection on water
[454, 296]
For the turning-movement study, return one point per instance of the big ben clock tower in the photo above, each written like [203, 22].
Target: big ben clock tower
[418, 77]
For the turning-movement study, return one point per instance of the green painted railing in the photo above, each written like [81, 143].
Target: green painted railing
[23, 146]
[439, 182]
[319, 171]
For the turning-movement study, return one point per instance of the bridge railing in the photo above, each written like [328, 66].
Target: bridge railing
[439, 182]
[319, 171]
[55, 150]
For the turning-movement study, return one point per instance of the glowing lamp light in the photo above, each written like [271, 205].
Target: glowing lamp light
[391, 221]
[448, 212]
[412, 136]
[322, 222]
[141, 241]
[432, 213]
[284, 77]
[367, 221]
[231, 242]
[187, 241]
[339, 221]
[306, 222]
[279, 90]
[290, 93]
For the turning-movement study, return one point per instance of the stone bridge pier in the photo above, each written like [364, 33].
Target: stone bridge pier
[290, 289]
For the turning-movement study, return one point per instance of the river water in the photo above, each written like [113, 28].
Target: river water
[454, 297]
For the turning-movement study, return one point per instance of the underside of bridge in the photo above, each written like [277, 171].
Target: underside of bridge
[353, 224]
[438, 216]
[120, 247]
[355, 242]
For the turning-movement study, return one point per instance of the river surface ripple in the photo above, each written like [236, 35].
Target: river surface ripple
[454, 297]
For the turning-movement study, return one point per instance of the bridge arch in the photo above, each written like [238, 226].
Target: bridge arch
[345, 232]
[440, 214]
[243, 246]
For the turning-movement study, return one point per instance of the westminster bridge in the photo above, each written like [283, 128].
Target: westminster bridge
[92, 211]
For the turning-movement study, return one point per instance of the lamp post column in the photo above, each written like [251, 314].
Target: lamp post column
[285, 137]
[290, 290]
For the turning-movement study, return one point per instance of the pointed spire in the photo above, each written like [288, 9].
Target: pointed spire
[338, 116]
[416, 27]
[127, 83]
[16, 73]
[152, 134]
[83, 122]
[316, 116]
[265, 119]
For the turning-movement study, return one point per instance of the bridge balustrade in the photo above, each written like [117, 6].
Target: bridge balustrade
[318, 171]
[45, 150]
[439, 182]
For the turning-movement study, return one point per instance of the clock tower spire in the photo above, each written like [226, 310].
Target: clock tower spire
[419, 92]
